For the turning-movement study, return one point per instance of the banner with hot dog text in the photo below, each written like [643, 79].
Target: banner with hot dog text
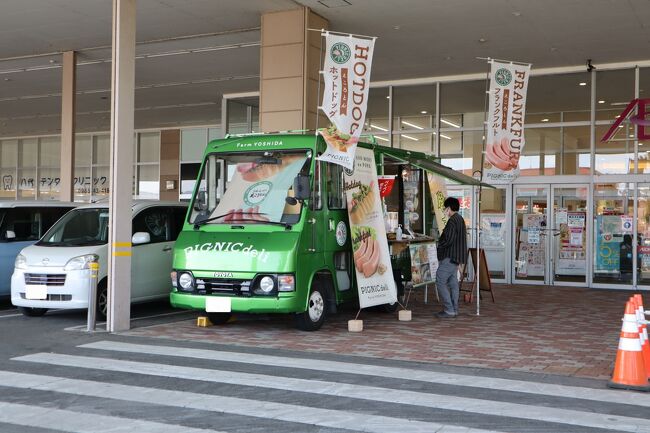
[505, 121]
[375, 284]
[346, 75]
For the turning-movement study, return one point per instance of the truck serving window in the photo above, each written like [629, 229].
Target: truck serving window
[249, 188]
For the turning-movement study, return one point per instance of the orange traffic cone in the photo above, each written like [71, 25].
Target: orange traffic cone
[629, 370]
[643, 332]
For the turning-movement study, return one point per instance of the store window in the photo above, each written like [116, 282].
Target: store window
[462, 105]
[8, 164]
[27, 160]
[643, 234]
[418, 142]
[49, 172]
[614, 91]
[413, 117]
[377, 115]
[542, 152]
[461, 150]
[558, 98]
[147, 166]
[493, 230]
[613, 232]
[193, 143]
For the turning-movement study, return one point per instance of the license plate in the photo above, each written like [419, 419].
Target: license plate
[35, 292]
[217, 305]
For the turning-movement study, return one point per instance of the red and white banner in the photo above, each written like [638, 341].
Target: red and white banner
[505, 124]
[346, 75]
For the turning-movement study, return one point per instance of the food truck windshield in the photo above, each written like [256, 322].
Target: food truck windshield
[249, 188]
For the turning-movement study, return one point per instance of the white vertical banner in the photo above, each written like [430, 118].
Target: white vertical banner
[505, 122]
[346, 75]
[375, 284]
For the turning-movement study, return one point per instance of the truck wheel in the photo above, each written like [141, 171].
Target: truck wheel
[102, 300]
[32, 312]
[313, 318]
[218, 318]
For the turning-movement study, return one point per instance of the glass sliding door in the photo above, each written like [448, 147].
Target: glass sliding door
[531, 234]
[569, 234]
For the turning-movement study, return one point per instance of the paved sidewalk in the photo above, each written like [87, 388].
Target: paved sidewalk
[557, 330]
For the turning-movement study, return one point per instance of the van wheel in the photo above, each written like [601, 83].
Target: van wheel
[102, 300]
[313, 318]
[32, 312]
[219, 318]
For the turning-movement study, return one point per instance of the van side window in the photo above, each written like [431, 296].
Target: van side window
[155, 221]
[178, 219]
[24, 222]
[335, 192]
[316, 193]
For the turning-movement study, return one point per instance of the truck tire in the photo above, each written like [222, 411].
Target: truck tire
[312, 319]
[219, 318]
[32, 312]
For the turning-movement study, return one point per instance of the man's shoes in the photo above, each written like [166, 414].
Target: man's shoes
[444, 315]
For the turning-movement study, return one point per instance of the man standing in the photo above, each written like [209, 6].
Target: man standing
[452, 251]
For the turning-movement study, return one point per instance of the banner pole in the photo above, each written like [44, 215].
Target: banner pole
[320, 74]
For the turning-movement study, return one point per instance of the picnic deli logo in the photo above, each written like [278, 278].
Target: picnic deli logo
[505, 127]
[340, 53]
[256, 194]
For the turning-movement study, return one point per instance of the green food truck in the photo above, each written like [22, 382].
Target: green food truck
[267, 229]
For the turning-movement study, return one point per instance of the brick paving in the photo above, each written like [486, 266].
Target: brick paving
[557, 330]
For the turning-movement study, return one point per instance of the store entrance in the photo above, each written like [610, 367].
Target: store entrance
[550, 236]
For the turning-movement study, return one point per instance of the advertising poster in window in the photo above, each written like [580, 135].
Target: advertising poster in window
[505, 125]
[369, 243]
[608, 244]
[531, 246]
[257, 190]
[346, 75]
[572, 247]
[438, 190]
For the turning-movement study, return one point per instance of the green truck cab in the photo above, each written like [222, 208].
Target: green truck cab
[267, 229]
[293, 257]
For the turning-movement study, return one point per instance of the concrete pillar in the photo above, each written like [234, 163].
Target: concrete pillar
[68, 112]
[289, 70]
[170, 145]
[122, 136]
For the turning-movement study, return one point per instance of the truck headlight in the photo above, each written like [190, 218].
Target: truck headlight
[186, 281]
[80, 262]
[21, 262]
[286, 283]
[267, 284]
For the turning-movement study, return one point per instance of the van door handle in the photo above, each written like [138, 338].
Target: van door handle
[167, 248]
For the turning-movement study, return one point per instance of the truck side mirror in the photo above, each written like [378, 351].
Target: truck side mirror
[201, 202]
[301, 188]
[10, 235]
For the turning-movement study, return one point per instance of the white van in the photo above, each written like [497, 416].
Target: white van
[21, 224]
[54, 272]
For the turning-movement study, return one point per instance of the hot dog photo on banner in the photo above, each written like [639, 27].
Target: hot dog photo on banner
[505, 125]
[368, 231]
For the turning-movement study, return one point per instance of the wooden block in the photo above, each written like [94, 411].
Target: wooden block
[203, 322]
[355, 325]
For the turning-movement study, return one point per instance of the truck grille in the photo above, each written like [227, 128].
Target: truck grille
[217, 285]
[45, 279]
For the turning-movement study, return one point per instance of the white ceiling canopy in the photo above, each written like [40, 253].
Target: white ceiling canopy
[190, 53]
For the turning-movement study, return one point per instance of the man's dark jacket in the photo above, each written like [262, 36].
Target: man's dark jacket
[453, 241]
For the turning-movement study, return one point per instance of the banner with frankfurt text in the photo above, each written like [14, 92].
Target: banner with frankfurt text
[505, 123]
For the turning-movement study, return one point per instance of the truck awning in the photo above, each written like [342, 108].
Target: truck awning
[426, 162]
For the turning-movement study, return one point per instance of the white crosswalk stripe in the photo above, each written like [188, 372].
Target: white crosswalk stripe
[293, 379]
[264, 409]
[604, 395]
[76, 422]
[436, 401]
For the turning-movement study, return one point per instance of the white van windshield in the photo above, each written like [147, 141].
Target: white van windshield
[250, 188]
[79, 227]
